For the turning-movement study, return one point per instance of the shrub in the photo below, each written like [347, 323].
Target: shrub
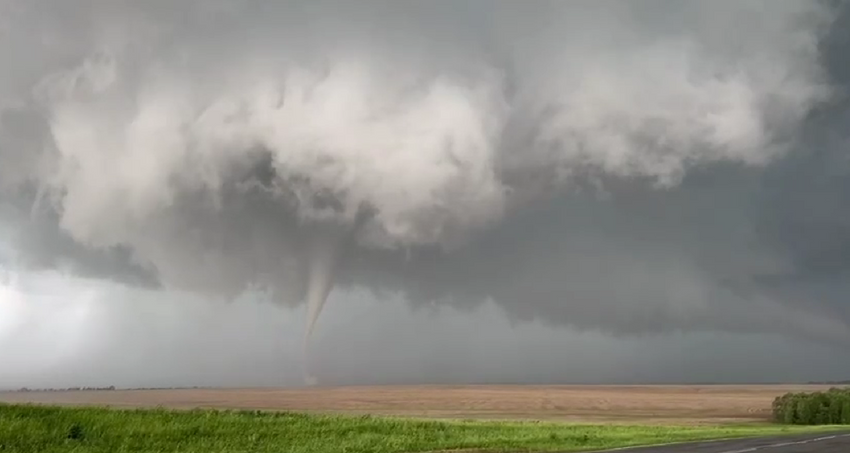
[817, 408]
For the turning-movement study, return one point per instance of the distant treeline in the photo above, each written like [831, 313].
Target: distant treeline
[102, 389]
[70, 389]
[830, 383]
[818, 408]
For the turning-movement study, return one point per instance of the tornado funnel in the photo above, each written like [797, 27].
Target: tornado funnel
[322, 257]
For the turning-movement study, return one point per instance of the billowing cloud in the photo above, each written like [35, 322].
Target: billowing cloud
[616, 166]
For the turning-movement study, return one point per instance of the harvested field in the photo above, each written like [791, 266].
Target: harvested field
[711, 404]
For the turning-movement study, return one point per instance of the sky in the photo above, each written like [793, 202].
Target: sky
[441, 192]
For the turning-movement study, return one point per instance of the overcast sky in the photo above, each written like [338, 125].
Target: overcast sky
[68, 333]
[587, 191]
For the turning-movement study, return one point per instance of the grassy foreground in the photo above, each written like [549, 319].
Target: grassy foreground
[46, 429]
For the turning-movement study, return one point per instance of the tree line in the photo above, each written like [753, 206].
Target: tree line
[98, 389]
[831, 407]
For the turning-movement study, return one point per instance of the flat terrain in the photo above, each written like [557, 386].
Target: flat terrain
[710, 404]
[98, 430]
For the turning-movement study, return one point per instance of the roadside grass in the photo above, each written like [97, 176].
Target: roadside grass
[50, 429]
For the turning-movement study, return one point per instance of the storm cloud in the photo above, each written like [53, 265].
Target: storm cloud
[628, 168]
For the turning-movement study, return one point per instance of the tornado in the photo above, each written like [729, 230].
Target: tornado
[323, 252]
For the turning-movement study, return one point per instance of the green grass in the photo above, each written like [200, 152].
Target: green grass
[46, 429]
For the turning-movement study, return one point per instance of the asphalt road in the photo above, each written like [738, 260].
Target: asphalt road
[818, 443]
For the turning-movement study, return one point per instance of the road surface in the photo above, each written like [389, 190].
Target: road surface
[817, 443]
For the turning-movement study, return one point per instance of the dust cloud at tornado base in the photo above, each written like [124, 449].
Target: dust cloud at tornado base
[610, 167]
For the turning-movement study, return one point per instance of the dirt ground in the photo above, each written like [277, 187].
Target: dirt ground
[627, 404]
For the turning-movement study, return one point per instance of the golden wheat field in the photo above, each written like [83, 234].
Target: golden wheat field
[686, 404]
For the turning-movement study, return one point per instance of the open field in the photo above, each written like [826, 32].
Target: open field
[33, 429]
[592, 404]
